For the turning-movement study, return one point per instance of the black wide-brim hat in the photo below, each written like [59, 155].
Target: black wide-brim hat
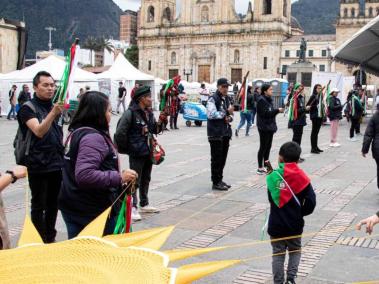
[142, 92]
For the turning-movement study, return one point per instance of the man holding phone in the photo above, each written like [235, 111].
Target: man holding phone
[220, 115]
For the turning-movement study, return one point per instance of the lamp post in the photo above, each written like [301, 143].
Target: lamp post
[50, 29]
[187, 73]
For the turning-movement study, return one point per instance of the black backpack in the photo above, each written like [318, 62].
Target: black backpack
[22, 142]
[121, 136]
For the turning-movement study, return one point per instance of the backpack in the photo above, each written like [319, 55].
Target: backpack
[22, 143]
[121, 137]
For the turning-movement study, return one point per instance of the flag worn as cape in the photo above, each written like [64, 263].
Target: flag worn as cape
[292, 114]
[285, 182]
[243, 93]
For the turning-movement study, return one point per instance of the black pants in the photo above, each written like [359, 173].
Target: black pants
[316, 126]
[297, 133]
[355, 126]
[173, 121]
[143, 166]
[265, 138]
[44, 204]
[377, 172]
[219, 154]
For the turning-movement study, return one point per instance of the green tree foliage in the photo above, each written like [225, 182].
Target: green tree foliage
[132, 55]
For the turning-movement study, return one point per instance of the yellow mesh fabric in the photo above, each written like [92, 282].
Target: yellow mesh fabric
[83, 260]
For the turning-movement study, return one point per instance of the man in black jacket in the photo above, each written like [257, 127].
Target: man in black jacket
[131, 137]
[24, 95]
[45, 159]
[219, 112]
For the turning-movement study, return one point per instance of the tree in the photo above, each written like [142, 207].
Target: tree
[91, 44]
[132, 55]
[103, 43]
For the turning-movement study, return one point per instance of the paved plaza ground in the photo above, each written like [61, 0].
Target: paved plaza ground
[333, 252]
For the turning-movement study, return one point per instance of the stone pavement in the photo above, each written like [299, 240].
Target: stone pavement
[333, 252]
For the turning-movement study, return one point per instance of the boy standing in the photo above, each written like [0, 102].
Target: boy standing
[291, 198]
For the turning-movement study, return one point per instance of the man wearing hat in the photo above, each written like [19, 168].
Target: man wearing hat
[220, 115]
[131, 138]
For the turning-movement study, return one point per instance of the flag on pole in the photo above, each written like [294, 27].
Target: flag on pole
[243, 94]
[65, 89]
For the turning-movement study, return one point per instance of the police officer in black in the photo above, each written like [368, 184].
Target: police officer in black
[220, 115]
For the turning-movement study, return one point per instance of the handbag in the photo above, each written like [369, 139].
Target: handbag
[157, 153]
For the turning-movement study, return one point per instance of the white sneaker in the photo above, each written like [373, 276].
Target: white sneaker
[354, 139]
[149, 209]
[337, 145]
[135, 215]
[332, 144]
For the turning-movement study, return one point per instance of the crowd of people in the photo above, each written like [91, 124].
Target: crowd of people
[81, 175]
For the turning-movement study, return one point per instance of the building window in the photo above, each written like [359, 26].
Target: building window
[173, 58]
[285, 7]
[265, 63]
[323, 53]
[284, 69]
[310, 53]
[205, 14]
[345, 12]
[150, 14]
[287, 53]
[322, 68]
[352, 12]
[167, 14]
[297, 53]
[370, 12]
[149, 67]
[236, 56]
[267, 7]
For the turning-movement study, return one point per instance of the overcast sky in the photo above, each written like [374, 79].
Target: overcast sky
[241, 5]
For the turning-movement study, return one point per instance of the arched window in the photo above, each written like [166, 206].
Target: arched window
[167, 14]
[205, 14]
[345, 12]
[267, 7]
[150, 14]
[173, 58]
[352, 12]
[236, 56]
[370, 12]
[285, 7]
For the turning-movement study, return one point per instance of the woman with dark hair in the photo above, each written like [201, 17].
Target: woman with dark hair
[91, 176]
[317, 115]
[266, 124]
[335, 115]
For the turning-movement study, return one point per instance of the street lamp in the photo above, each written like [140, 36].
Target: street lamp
[187, 73]
[50, 29]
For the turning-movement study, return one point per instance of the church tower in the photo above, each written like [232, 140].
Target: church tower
[207, 11]
[155, 13]
[269, 10]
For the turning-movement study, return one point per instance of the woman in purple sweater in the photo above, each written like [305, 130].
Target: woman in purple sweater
[91, 175]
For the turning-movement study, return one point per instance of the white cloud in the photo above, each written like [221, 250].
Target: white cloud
[241, 5]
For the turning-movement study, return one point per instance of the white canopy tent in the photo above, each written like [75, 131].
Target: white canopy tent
[52, 64]
[362, 48]
[123, 71]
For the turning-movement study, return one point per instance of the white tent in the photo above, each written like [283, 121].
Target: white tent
[123, 71]
[52, 64]
[362, 48]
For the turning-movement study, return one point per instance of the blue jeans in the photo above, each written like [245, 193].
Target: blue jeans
[12, 110]
[75, 224]
[246, 117]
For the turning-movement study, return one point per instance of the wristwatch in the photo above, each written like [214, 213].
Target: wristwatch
[14, 178]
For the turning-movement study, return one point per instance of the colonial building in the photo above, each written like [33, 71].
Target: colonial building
[209, 40]
[320, 48]
[354, 14]
[12, 45]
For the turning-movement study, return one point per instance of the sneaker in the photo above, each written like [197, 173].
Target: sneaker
[135, 215]
[318, 149]
[353, 139]
[149, 209]
[227, 185]
[247, 134]
[261, 172]
[315, 151]
[220, 186]
[236, 132]
[337, 145]
[290, 281]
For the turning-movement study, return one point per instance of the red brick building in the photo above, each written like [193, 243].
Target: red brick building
[128, 27]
